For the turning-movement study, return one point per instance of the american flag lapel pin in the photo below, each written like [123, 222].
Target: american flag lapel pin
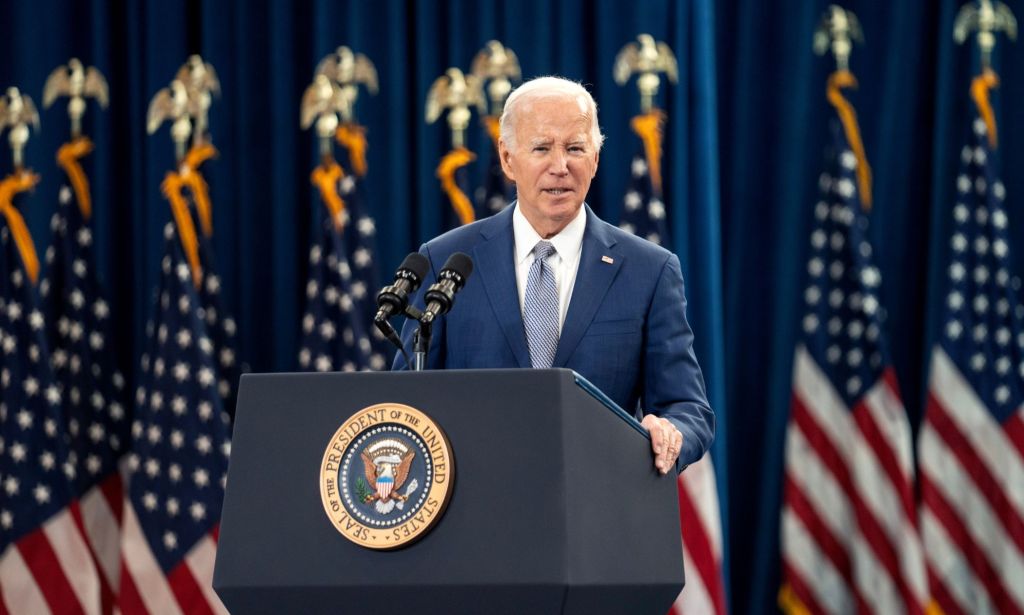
[607, 259]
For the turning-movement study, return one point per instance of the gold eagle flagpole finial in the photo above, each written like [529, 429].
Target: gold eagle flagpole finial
[76, 82]
[838, 30]
[348, 69]
[322, 103]
[986, 18]
[172, 104]
[648, 58]
[16, 113]
[201, 85]
[455, 91]
[498, 65]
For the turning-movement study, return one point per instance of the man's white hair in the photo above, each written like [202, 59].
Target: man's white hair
[542, 88]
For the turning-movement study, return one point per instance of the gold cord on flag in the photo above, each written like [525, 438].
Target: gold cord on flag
[789, 603]
[649, 126]
[193, 179]
[171, 187]
[493, 125]
[452, 162]
[68, 157]
[352, 137]
[980, 86]
[326, 177]
[836, 82]
[12, 185]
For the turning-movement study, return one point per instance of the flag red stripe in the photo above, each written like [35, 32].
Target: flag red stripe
[817, 529]
[802, 590]
[1014, 428]
[42, 562]
[975, 556]
[106, 591]
[187, 591]
[941, 595]
[3, 603]
[697, 542]
[972, 463]
[128, 598]
[113, 492]
[868, 526]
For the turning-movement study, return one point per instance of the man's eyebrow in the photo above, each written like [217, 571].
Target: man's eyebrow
[541, 141]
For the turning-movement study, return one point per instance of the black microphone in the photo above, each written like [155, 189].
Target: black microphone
[441, 295]
[394, 298]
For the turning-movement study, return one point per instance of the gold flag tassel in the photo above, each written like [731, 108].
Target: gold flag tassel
[836, 82]
[980, 86]
[452, 162]
[171, 187]
[12, 185]
[352, 137]
[649, 127]
[68, 157]
[493, 125]
[193, 179]
[326, 178]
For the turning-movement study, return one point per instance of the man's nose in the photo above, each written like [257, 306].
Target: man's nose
[559, 163]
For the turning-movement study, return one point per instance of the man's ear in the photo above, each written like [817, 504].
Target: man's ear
[505, 155]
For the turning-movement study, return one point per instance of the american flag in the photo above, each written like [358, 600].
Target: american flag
[643, 211]
[848, 530]
[497, 192]
[45, 562]
[93, 389]
[361, 241]
[699, 515]
[334, 329]
[178, 458]
[971, 445]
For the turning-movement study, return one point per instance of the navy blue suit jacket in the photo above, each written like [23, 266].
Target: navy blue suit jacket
[625, 331]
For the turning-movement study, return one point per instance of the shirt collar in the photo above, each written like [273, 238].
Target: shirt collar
[568, 241]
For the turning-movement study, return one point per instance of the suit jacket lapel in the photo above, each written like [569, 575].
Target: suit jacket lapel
[495, 264]
[593, 278]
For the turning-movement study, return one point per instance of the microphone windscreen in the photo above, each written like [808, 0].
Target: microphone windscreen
[416, 264]
[460, 263]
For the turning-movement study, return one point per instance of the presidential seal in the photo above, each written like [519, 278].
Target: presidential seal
[386, 476]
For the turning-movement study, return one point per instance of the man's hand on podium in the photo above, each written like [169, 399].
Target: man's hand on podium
[666, 442]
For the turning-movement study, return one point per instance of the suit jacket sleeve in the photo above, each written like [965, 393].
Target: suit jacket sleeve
[673, 385]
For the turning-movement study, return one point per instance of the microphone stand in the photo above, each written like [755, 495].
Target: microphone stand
[420, 339]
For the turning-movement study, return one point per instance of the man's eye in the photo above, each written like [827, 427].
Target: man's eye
[540, 148]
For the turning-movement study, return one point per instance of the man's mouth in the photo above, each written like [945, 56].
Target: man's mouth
[557, 191]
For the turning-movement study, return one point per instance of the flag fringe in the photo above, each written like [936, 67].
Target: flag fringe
[326, 177]
[452, 162]
[980, 86]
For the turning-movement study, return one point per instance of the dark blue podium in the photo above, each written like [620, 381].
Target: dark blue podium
[557, 507]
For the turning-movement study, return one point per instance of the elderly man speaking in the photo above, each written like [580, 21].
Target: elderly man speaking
[556, 286]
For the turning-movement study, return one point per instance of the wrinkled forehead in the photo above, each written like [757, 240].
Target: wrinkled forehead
[560, 113]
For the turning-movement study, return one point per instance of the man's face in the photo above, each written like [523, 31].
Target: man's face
[552, 163]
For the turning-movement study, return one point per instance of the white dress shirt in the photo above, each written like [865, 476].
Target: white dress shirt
[565, 262]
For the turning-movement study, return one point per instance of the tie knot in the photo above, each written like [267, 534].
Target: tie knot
[543, 250]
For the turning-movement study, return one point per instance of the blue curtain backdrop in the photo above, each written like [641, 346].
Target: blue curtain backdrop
[744, 141]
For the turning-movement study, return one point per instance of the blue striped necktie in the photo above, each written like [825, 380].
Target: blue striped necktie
[540, 308]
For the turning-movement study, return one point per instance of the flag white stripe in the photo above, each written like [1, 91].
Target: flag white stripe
[694, 599]
[975, 422]
[818, 485]
[948, 563]
[200, 561]
[873, 582]
[986, 530]
[147, 576]
[103, 533]
[802, 554]
[20, 593]
[871, 481]
[75, 561]
[699, 483]
[890, 415]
